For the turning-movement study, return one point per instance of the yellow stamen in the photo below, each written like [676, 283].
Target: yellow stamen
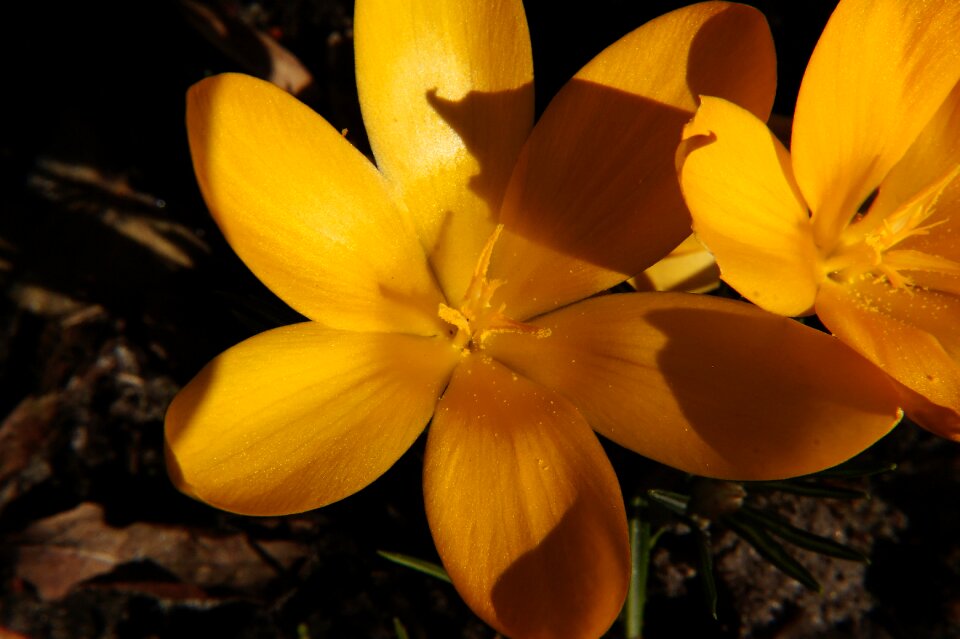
[476, 319]
[866, 245]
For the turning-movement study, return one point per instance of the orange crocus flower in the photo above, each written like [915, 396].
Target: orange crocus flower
[860, 220]
[455, 283]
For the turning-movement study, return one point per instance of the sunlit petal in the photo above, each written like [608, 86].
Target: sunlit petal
[302, 416]
[907, 260]
[746, 208]
[947, 283]
[711, 386]
[689, 268]
[594, 198]
[306, 211]
[447, 98]
[881, 69]
[524, 506]
[910, 333]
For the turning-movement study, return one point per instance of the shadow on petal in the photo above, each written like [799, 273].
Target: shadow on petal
[771, 397]
[484, 145]
[455, 207]
[746, 60]
[570, 585]
[597, 204]
[594, 197]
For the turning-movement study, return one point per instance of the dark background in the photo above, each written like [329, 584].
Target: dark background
[118, 288]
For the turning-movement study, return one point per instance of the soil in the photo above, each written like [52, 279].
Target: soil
[118, 287]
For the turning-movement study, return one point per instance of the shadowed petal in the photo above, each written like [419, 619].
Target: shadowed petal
[911, 334]
[934, 154]
[447, 98]
[934, 158]
[881, 69]
[711, 386]
[594, 198]
[524, 506]
[942, 242]
[746, 209]
[302, 416]
[306, 211]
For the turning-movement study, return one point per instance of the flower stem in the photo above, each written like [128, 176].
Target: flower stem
[642, 541]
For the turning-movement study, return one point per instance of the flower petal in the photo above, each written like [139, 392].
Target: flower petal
[911, 334]
[881, 69]
[711, 386]
[306, 211]
[746, 208]
[934, 154]
[689, 268]
[594, 198]
[447, 97]
[302, 416]
[524, 506]
[930, 173]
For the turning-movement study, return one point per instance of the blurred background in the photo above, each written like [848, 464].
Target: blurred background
[117, 288]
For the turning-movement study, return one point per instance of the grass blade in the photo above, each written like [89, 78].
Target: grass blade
[420, 565]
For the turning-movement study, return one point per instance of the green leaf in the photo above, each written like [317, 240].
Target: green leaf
[801, 538]
[642, 541]
[398, 628]
[674, 502]
[636, 592]
[421, 565]
[855, 471]
[807, 488]
[770, 550]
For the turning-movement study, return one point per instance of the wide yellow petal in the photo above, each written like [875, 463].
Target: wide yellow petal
[594, 198]
[447, 97]
[524, 506]
[301, 416]
[746, 208]
[881, 69]
[711, 386]
[306, 211]
[909, 333]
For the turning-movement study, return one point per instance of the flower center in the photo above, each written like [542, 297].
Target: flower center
[868, 247]
[476, 318]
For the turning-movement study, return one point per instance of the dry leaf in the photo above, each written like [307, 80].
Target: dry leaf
[24, 437]
[58, 553]
[119, 206]
[255, 51]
